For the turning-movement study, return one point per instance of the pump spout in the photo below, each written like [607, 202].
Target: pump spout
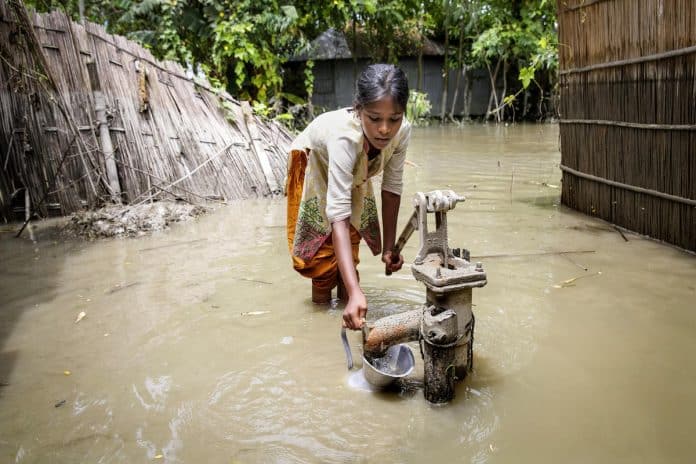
[388, 331]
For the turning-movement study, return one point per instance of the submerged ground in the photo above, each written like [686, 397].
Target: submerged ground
[200, 344]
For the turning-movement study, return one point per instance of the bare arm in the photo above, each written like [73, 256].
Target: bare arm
[390, 214]
[356, 309]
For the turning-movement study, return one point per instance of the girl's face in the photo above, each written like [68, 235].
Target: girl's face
[381, 121]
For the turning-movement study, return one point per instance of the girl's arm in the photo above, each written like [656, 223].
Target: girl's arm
[356, 309]
[390, 214]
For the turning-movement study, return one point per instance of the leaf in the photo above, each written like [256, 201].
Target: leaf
[80, 316]
[292, 98]
[290, 12]
[526, 76]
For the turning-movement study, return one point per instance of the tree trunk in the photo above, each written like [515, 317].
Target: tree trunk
[468, 84]
[355, 49]
[462, 70]
[419, 85]
[445, 67]
[525, 102]
[501, 111]
[493, 100]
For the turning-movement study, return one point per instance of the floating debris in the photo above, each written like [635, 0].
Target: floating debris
[571, 282]
[544, 184]
[80, 316]
[254, 313]
[120, 286]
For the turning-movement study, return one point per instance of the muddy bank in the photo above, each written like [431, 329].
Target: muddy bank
[129, 221]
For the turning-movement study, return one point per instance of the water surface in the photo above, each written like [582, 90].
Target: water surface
[200, 344]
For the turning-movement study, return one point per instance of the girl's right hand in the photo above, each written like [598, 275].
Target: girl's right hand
[355, 311]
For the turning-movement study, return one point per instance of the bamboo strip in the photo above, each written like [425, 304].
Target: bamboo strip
[634, 125]
[629, 61]
[633, 188]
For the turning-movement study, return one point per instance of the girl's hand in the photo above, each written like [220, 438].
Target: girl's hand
[392, 262]
[355, 311]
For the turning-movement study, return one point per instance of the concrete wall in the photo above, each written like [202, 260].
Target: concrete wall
[334, 82]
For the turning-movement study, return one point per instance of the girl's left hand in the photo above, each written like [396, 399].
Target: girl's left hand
[393, 262]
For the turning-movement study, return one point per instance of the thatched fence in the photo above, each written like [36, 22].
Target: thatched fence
[87, 118]
[628, 109]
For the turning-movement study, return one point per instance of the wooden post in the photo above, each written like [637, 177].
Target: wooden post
[104, 133]
[27, 212]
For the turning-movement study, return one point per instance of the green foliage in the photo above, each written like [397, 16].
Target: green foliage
[522, 32]
[418, 108]
[309, 79]
[243, 44]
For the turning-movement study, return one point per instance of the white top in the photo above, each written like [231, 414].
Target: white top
[338, 163]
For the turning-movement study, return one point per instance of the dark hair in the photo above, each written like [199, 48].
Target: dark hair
[378, 81]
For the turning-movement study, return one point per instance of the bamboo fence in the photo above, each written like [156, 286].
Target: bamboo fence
[130, 129]
[628, 114]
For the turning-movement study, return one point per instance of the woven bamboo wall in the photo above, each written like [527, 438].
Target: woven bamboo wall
[628, 109]
[181, 145]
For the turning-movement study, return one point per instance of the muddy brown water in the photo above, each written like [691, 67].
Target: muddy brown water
[200, 344]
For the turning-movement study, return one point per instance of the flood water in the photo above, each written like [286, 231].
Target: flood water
[200, 343]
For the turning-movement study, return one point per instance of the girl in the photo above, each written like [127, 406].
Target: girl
[331, 204]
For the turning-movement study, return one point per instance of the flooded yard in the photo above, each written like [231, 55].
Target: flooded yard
[201, 344]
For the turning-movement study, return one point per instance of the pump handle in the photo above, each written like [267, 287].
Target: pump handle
[410, 226]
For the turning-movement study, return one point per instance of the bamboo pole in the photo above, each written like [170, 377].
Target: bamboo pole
[27, 211]
[104, 134]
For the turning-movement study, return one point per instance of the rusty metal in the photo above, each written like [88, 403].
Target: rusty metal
[379, 335]
[444, 326]
[411, 225]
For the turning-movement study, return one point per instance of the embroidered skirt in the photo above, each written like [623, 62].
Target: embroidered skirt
[322, 267]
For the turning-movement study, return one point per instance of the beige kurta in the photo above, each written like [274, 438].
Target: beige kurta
[338, 183]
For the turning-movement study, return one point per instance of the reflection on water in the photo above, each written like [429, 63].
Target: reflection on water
[200, 344]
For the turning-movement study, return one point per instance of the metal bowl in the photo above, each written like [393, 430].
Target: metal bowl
[398, 362]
